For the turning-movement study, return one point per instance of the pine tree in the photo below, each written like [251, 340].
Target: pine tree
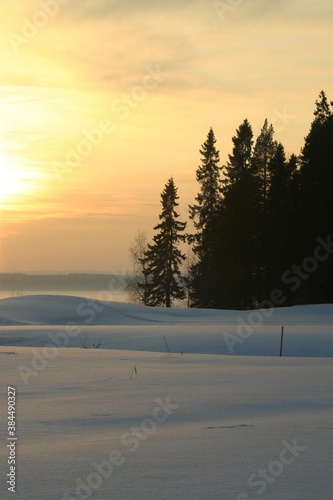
[163, 258]
[205, 215]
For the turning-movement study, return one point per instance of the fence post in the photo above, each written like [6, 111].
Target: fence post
[281, 341]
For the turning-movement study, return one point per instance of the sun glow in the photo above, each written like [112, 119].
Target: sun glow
[13, 181]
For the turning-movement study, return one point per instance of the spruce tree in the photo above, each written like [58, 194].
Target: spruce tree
[163, 258]
[316, 219]
[240, 159]
[205, 284]
[263, 152]
[323, 110]
[239, 222]
[282, 227]
[317, 170]
[208, 175]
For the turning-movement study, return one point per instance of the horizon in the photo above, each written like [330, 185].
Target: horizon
[65, 273]
[95, 121]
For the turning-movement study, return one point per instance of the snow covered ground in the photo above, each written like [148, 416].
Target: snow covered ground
[220, 416]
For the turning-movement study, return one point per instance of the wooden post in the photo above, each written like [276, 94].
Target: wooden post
[281, 341]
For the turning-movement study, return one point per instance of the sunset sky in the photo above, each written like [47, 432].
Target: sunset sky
[102, 101]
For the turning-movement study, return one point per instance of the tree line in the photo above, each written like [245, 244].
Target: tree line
[17, 283]
[262, 223]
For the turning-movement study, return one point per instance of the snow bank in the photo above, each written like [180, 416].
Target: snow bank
[50, 320]
[60, 309]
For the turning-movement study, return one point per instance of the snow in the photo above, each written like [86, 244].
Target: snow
[131, 421]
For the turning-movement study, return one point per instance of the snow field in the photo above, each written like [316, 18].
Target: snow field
[192, 426]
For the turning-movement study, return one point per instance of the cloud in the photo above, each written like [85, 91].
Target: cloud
[287, 10]
[108, 45]
[99, 9]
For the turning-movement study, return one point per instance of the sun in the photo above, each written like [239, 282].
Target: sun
[13, 181]
[10, 183]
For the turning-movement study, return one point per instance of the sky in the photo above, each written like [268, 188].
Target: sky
[102, 101]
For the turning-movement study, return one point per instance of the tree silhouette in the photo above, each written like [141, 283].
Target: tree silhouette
[163, 259]
[204, 283]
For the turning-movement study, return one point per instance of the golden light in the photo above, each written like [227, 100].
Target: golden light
[13, 181]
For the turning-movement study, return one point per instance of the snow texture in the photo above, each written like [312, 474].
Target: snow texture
[163, 409]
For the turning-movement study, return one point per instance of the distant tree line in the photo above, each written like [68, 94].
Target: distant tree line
[263, 226]
[17, 283]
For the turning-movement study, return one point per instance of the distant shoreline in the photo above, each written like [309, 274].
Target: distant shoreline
[93, 295]
[17, 283]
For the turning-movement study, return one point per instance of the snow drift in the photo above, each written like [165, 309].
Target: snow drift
[37, 320]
